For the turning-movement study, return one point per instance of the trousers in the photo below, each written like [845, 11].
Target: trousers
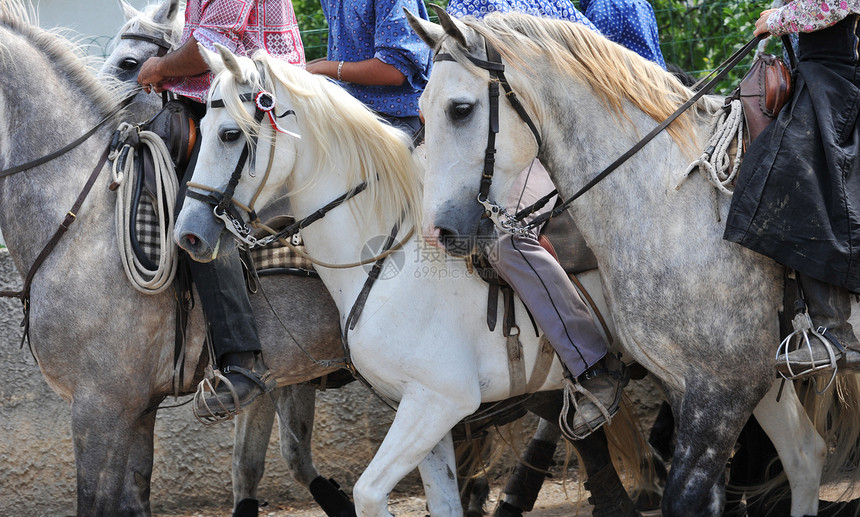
[543, 285]
[222, 290]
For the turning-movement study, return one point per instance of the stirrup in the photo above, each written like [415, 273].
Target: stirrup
[207, 415]
[801, 338]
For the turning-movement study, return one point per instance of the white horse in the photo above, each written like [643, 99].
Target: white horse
[421, 339]
[698, 312]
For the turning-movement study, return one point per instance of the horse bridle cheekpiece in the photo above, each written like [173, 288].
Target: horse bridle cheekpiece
[493, 64]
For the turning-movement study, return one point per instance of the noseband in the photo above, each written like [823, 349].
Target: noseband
[493, 64]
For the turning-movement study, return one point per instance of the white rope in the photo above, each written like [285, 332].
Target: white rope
[727, 125]
[145, 280]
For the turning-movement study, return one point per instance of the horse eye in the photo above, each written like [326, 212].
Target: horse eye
[229, 135]
[460, 111]
[129, 63]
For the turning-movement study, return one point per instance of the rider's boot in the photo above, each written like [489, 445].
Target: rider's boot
[246, 379]
[596, 395]
[829, 307]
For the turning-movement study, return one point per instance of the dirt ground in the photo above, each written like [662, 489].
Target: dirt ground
[558, 498]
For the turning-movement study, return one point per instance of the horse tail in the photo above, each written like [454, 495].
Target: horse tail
[628, 446]
[837, 419]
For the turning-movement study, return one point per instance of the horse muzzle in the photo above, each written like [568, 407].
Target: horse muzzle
[200, 234]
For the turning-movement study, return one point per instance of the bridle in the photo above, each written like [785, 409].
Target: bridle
[513, 223]
[493, 64]
[224, 206]
[163, 45]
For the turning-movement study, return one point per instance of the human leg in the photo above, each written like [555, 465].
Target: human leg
[829, 308]
[224, 297]
[558, 309]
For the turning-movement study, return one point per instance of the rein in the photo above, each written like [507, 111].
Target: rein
[511, 224]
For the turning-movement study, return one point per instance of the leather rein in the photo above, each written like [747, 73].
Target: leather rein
[513, 223]
[71, 215]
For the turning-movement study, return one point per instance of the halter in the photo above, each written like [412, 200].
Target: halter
[493, 64]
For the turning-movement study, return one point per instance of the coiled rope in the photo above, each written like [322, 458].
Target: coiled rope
[727, 125]
[145, 280]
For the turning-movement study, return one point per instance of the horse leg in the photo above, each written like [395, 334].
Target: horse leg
[253, 429]
[801, 449]
[709, 419]
[437, 471]
[104, 433]
[135, 498]
[296, 407]
[419, 426]
[528, 476]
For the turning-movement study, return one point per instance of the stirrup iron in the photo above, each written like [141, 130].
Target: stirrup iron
[802, 337]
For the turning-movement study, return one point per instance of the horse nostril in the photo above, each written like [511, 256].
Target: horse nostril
[191, 240]
[454, 243]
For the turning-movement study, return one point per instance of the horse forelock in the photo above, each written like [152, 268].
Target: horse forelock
[340, 130]
[65, 56]
[145, 22]
[613, 72]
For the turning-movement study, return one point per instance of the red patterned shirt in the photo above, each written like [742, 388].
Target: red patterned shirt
[243, 26]
[809, 15]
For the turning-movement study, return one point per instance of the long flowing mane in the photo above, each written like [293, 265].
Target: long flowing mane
[341, 129]
[65, 55]
[615, 73]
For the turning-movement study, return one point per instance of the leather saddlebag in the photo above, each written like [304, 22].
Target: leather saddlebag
[764, 91]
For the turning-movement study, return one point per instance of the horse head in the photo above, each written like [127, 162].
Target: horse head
[234, 172]
[151, 32]
[457, 111]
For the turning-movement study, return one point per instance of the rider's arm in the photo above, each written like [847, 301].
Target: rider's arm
[808, 15]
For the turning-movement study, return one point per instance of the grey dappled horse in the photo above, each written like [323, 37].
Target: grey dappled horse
[696, 311]
[103, 346]
[152, 31]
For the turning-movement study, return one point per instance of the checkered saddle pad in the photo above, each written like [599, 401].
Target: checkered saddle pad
[145, 241]
[277, 256]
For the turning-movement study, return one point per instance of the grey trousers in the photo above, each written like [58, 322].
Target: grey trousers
[543, 285]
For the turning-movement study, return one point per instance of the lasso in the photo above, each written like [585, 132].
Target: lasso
[148, 281]
[727, 125]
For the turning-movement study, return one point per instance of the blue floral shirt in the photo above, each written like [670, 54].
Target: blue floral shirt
[558, 9]
[630, 23]
[364, 29]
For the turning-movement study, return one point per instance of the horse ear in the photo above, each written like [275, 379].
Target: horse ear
[128, 11]
[216, 64]
[426, 30]
[230, 62]
[451, 26]
[167, 12]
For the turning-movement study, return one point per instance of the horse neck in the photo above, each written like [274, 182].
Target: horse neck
[340, 236]
[44, 109]
[642, 189]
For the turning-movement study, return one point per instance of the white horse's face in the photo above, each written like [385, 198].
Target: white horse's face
[263, 171]
[456, 110]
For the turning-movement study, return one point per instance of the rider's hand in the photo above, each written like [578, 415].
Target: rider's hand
[761, 23]
[150, 77]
